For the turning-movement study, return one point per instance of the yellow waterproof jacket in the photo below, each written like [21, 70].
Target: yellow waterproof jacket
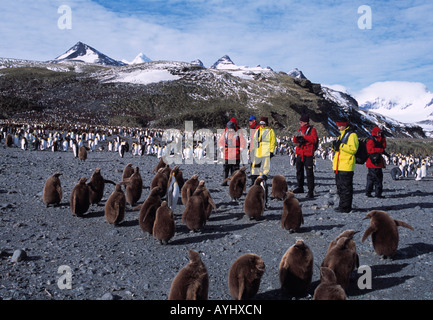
[344, 158]
[264, 142]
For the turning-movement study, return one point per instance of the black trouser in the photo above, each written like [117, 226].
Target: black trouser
[344, 182]
[230, 167]
[374, 181]
[306, 163]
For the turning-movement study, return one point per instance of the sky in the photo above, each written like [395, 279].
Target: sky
[347, 44]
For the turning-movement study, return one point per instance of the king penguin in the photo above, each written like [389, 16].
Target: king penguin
[173, 191]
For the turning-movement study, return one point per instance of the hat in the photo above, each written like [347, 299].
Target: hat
[251, 118]
[263, 120]
[342, 122]
[234, 121]
[304, 118]
[375, 131]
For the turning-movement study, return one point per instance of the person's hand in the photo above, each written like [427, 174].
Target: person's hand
[298, 134]
[336, 145]
[301, 140]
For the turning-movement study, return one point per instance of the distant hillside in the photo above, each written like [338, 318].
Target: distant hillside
[164, 94]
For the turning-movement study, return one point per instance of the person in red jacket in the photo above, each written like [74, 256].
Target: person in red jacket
[376, 145]
[231, 143]
[306, 138]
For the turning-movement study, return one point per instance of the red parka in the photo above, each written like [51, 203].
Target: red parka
[306, 148]
[377, 146]
[233, 142]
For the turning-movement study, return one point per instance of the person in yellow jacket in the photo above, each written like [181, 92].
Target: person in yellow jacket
[263, 146]
[343, 164]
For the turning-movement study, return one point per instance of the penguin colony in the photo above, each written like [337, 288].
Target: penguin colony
[192, 282]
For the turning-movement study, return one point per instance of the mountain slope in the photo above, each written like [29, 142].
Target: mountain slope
[165, 94]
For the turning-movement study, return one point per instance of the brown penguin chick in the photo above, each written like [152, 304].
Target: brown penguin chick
[97, 186]
[194, 215]
[341, 258]
[328, 289]
[384, 232]
[348, 234]
[161, 164]
[146, 217]
[160, 180]
[292, 217]
[296, 269]
[9, 140]
[192, 281]
[188, 188]
[52, 193]
[209, 204]
[127, 171]
[254, 204]
[115, 206]
[134, 187]
[80, 198]
[245, 275]
[279, 187]
[82, 153]
[164, 226]
[238, 183]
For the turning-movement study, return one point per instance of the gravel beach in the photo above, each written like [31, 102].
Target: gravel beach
[121, 262]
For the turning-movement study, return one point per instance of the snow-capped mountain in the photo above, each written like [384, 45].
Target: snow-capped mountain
[85, 53]
[296, 73]
[140, 58]
[226, 64]
[407, 102]
[198, 62]
[349, 106]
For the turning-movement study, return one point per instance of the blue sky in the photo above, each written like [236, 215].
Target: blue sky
[320, 37]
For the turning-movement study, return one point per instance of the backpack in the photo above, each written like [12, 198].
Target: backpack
[361, 154]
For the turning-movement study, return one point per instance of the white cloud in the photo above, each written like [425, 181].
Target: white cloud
[401, 100]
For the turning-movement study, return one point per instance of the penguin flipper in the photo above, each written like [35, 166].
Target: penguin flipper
[368, 232]
[109, 181]
[403, 224]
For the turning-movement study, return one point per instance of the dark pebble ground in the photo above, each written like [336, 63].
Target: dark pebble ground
[124, 263]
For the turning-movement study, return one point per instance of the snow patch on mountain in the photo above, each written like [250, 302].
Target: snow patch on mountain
[340, 98]
[145, 77]
[296, 73]
[152, 72]
[244, 72]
